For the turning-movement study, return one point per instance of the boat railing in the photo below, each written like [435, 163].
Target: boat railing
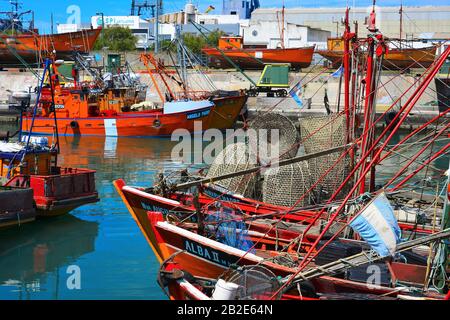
[192, 95]
[69, 182]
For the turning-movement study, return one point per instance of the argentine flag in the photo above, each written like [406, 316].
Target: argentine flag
[338, 73]
[295, 92]
[378, 226]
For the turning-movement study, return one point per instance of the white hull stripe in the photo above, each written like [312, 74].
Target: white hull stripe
[151, 196]
[208, 242]
[110, 127]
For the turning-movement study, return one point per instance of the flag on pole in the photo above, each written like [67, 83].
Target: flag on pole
[378, 226]
[295, 93]
[338, 73]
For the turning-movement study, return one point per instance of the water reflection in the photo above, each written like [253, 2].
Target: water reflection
[29, 254]
[102, 239]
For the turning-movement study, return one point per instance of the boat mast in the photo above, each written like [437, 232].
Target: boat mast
[401, 24]
[369, 103]
[282, 27]
[182, 59]
[347, 39]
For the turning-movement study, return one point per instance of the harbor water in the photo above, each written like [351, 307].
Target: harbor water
[101, 241]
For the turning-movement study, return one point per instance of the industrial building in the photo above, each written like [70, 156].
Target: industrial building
[242, 8]
[418, 22]
[268, 34]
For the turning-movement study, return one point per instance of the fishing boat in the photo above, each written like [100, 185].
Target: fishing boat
[32, 163]
[17, 206]
[95, 108]
[395, 58]
[20, 44]
[232, 48]
[398, 56]
[202, 235]
[203, 257]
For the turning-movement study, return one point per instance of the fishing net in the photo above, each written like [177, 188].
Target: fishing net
[287, 138]
[235, 157]
[255, 282]
[284, 186]
[228, 228]
[322, 133]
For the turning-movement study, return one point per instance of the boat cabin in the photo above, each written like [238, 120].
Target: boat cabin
[36, 162]
[231, 43]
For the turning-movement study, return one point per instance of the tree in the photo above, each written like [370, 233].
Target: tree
[196, 43]
[116, 39]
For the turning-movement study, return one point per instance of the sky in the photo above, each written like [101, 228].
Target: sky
[88, 8]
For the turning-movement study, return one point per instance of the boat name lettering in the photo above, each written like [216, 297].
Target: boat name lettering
[153, 208]
[207, 253]
[196, 115]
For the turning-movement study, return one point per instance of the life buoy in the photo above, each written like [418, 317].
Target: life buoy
[74, 125]
[157, 123]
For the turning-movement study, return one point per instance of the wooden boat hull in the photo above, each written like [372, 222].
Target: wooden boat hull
[16, 207]
[31, 47]
[56, 195]
[395, 59]
[227, 110]
[248, 58]
[206, 258]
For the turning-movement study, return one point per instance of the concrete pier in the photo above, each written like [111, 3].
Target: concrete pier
[314, 85]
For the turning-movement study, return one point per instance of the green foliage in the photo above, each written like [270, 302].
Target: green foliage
[116, 38]
[196, 43]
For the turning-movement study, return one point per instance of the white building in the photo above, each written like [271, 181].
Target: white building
[416, 20]
[138, 26]
[269, 33]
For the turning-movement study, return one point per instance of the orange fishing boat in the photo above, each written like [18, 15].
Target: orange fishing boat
[250, 58]
[82, 110]
[394, 59]
[32, 46]
[20, 44]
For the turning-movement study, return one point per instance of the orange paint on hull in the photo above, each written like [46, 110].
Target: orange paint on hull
[394, 59]
[152, 123]
[130, 124]
[31, 46]
[248, 58]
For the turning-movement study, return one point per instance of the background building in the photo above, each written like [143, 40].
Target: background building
[416, 20]
[268, 34]
[138, 26]
[240, 8]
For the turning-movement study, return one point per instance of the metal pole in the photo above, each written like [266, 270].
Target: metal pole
[156, 31]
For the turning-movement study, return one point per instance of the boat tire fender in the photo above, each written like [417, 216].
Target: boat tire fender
[74, 124]
[156, 123]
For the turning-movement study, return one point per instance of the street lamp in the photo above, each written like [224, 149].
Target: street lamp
[103, 19]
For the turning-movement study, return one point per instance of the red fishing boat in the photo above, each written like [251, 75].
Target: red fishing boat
[56, 190]
[247, 58]
[203, 257]
[194, 234]
[33, 164]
